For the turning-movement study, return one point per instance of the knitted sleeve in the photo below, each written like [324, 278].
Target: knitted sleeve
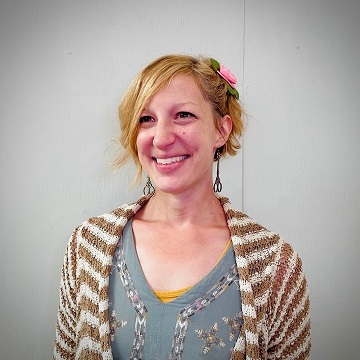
[66, 321]
[289, 310]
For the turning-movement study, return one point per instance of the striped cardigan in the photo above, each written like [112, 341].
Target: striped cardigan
[275, 302]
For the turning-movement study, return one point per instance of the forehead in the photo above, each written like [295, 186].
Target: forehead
[181, 89]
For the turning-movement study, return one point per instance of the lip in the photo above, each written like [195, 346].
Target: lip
[168, 164]
[170, 159]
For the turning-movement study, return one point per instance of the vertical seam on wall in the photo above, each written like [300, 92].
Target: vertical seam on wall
[243, 100]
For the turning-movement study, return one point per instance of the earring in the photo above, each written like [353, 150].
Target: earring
[148, 188]
[217, 184]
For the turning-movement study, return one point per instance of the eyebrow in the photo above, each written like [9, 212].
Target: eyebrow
[185, 103]
[174, 107]
[181, 105]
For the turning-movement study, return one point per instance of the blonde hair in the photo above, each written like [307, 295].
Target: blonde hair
[159, 73]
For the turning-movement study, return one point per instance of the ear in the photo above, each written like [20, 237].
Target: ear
[224, 130]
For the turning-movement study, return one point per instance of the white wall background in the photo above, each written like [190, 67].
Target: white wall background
[64, 67]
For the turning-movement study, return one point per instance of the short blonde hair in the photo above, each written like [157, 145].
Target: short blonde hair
[159, 73]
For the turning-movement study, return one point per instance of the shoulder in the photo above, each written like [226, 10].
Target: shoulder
[263, 258]
[256, 246]
[103, 231]
[245, 230]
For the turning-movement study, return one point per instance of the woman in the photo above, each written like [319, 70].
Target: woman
[180, 274]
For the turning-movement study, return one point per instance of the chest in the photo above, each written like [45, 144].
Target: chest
[184, 255]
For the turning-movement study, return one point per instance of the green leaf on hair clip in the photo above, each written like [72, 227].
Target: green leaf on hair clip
[233, 91]
[215, 65]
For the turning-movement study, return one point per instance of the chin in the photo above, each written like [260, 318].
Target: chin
[169, 187]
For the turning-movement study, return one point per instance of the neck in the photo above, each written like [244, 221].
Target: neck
[184, 208]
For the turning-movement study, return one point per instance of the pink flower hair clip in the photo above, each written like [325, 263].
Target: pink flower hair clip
[227, 75]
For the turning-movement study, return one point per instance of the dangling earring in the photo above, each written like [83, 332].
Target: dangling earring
[217, 183]
[148, 188]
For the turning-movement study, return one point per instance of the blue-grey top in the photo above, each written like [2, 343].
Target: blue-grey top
[202, 323]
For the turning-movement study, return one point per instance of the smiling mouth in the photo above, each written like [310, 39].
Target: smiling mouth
[171, 160]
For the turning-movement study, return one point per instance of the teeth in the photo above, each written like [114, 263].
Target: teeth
[171, 160]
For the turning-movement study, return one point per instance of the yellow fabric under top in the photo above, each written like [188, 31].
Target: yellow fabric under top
[167, 296]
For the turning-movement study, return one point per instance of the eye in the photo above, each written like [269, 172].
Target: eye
[185, 115]
[145, 119]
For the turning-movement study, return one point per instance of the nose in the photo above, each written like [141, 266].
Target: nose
[164, 135]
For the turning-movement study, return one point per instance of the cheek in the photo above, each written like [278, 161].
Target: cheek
[142, 140]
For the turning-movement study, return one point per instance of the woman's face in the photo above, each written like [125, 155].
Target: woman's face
[177, 137]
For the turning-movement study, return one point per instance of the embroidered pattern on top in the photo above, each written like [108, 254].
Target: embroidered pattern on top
[137, 303]
[234, 324]
[210, 338]
[115, 324]
[199, 304]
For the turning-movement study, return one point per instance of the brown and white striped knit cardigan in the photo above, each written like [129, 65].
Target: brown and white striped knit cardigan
[275, 302]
